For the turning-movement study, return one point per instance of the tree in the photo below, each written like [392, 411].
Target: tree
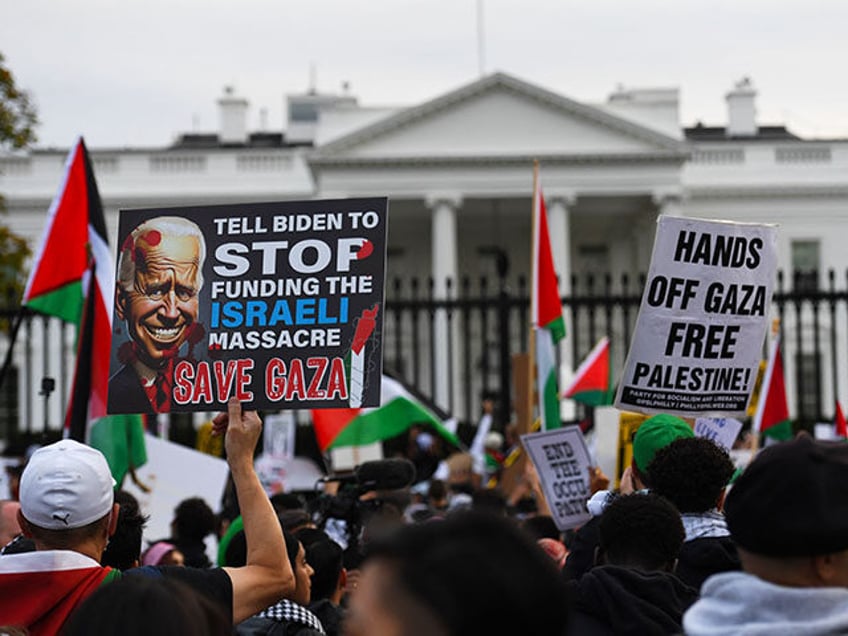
[17, 130]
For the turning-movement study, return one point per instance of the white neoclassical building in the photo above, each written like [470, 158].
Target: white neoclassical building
[458, 170]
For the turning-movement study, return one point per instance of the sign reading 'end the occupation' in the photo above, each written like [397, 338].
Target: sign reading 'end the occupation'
[704, 313]
[278, 304]
[562, 462]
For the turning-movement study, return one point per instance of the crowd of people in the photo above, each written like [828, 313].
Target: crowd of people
[685, 544]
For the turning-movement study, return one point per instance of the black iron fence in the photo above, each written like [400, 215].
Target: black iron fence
[488, 321]
[456, 348]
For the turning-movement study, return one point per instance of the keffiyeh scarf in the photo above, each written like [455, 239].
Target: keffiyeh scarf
[291, 612]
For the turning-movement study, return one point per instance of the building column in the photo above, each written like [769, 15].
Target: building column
[669, 202]
[559, 205]
[444, 266]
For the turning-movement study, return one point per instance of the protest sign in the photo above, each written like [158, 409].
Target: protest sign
[722, 430]
[562, 461]
[698, 339]
[278, 304]
[628, 424]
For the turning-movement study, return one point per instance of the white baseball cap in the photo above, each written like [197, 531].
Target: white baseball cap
[66, 485]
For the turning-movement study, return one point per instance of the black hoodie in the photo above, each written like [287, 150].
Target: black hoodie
[614, 600]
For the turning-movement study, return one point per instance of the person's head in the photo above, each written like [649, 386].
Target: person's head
[302, 570]
[287, 501]
[437, 494]
[67, 500]
[139, 605]
[468, 574]
[124, 549]
[309, 535]
[163, 553]
[193, 520]
[653, 434]
[460, 472]
[236, 557]
[159, 276]
[9, 526]
[692, 473]
[642, 531]
[489, 500]
[328, 580]
[294, 520]
[13, 475]
[541, 527]
[788, 513]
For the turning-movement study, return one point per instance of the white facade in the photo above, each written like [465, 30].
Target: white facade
[458, 172]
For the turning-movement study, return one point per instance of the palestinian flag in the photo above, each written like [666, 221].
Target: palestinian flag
[839, 424]
[39, 590]
[73, 278]
[548, 324]
[772, 416]
[399, 409]
[592, 383]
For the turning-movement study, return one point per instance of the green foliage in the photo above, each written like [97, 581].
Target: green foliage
[17, 114]
[17, 130]
[14, 252]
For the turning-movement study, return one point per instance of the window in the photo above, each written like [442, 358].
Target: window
[805, 265]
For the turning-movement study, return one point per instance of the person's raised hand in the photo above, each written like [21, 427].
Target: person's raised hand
[241, 430]
[597, 480]
[626, 486]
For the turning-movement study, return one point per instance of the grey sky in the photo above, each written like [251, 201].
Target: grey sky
[137, 72]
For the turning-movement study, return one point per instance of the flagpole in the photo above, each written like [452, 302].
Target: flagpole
[531, 367]
[13, 336]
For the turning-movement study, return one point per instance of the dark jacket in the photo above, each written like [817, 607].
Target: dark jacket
[699, 559]
[614, 600]
[329, 614]
[126, 395]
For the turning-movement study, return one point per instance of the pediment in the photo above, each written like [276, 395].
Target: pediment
[499, 116]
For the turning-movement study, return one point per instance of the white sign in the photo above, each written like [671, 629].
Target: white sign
[698, 339]
[174, 473]
[562, 461]
[722, 430]
[279, 434]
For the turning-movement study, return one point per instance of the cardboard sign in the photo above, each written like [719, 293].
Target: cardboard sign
[628, 424]
[562, 461]
[278, 304]
[722, 430]
[698, 339]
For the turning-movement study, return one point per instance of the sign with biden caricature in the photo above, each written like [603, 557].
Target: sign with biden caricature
[277, 304]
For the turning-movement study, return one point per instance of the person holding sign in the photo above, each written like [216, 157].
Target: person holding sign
[68, 509]
[653, 434]
[160, 273]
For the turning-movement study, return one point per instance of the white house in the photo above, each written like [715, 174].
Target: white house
[458, 172]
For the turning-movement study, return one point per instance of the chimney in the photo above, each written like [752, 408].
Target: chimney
[233, 118]
[741, 110]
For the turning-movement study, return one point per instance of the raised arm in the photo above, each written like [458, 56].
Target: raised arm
[268, 576]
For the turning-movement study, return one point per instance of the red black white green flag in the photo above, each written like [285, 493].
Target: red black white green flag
[592, 382]
[772, 416]
[548, 323]
[399, 409]
[839, 424]
[73, 278]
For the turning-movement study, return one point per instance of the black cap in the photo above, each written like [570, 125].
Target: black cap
[792, 500]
